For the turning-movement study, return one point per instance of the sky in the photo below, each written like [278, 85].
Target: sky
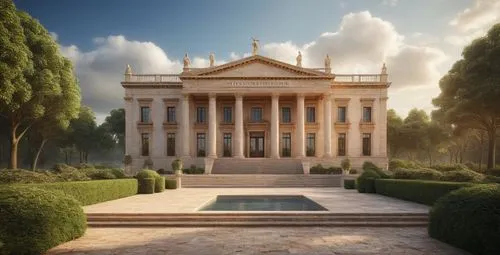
[418, 40]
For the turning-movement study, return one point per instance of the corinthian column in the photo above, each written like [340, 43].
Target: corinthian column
[212, 126]
[275, 126]
[328, 125]
[238, 127]
[185, 126]
[300, 127]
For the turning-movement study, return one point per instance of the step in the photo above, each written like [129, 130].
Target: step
[118, 224]
[254, 214]
[261, 180]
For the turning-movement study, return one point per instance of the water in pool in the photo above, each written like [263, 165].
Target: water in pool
[262, 203]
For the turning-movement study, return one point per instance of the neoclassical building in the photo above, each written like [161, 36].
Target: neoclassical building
[255, 107]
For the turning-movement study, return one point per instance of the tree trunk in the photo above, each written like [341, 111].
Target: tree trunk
[13, 152]
[35, 160]
[491, 147]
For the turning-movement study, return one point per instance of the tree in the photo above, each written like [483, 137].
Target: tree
[115, 124]
[471, 88]
[47, 83]
[413, 134]
[15, 91]
[394, 124]
[81, 132]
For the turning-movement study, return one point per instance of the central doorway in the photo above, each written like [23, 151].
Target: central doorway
[256, 144]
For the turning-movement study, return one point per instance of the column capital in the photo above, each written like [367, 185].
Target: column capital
[275, 95]
[300, 95]
[383, 98]
[128, 99]
[238, 96]
[327, 96]
[185, 95]
[212, 95]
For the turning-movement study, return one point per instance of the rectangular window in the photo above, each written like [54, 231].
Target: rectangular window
[256, 114]
[170, 144]
[367, 114]
[171, 114]
[201, 115]
[145, 114]
[228, 114]
[341, 114]
[286, 115]
[311, 114]
[286, 145]
[367, 144]
[227, 145]
[200, 144]
[311, 144]
[145, 144]
[341, 144]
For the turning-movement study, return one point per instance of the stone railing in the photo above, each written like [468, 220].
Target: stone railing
[153, 78]
[359, 78]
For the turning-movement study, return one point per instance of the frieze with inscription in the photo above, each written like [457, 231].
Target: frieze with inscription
[259, 84]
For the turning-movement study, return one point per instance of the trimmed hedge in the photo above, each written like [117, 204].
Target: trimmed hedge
[368, 165]
[366, 181]
[448, 167]
[159, 184]
[417, 174]
[34, 220]
[349, 184]
[8, 176]
[170, 183]
[400, 163]
[462, 176]
[319, 169]
[147, 186]
[424, 192]
[146, 173]
[468, 218]
[92, 192]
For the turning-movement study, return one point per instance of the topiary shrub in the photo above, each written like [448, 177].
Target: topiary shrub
[8, 176]
[462, 176]
[417, 174]
[365, 183]
[147, 186]
[468, 218]
[368, 165]
[34, 220]
[349, 184]
[159, 184]
[399, 163]
[146, 173]
[345, 164]
[420, 191]
[170, 183]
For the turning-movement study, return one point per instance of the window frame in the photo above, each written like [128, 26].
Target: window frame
[343, 120]
[261, 110]
[201, 139]
[366, 140]
[200, 114]
[370, 114]
[286, 152]
[171, 135]
[308, 117]
[283, 119]
[224, 120]
[309, 137]
[142, 116]
[171, 118]
[342, 150]
[227, 144]
[145, 144]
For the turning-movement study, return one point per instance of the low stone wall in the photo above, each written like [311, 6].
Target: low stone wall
[356, 162]
[164, 162]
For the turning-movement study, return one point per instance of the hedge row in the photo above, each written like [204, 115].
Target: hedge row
[424, 192]
[468, 218]
[92, 192]
[319, 169]
[34, 220]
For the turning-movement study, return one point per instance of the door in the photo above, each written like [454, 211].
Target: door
[257, 145]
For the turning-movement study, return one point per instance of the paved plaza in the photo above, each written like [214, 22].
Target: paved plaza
[272, 241]
[187, 200]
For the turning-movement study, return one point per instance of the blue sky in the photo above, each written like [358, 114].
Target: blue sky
[418, 39]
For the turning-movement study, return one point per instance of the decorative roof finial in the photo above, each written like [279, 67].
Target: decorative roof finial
[187, 62]
[328, 68]
[255, 46]
[384, 69]
[212, 59]
[128, 70]
[299, 59]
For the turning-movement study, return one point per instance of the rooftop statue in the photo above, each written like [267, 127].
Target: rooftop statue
[299, 59]
[212, 59]
[187, 62]
[255, 46]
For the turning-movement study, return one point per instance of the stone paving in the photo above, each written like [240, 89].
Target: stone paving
[220, 241]
[188, 200]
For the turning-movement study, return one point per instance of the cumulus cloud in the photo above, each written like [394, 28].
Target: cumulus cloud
[482, 15]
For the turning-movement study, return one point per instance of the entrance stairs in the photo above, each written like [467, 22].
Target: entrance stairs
[268, 219]
[257, 166]
[259, 180]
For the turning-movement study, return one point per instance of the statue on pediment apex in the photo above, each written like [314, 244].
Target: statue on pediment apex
[384, 69]
[255, 46]
[299, 59]
[187, 62]
[327, 62]
[128, 70]
[212, 59]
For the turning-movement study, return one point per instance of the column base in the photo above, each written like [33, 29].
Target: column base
[238, 156]
[328, 156]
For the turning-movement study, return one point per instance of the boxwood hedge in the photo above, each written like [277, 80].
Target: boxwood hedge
[424, 192]
[33, 220]
[349, 184]
[170, 183]
[365, 183]
[159, 184]
[468, 218]
[147, 186]
[92, 192]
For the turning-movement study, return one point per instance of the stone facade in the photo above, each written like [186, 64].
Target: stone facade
[255, 107]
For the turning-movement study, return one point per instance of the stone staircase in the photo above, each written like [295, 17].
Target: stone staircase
[260, 180]
[257, 166]
[280, 219]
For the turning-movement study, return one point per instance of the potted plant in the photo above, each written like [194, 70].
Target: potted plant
[346, 166]
[177, 166]
[148, 163]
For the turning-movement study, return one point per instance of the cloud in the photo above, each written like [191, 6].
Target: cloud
[390, 2]
[54, 36]
[481, 16]
[100, 70]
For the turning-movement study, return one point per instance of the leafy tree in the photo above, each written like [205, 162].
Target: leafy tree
[115, 124]
[47, 83]
[394, 124]
[81, 132]
[470, 91]
[413, 134]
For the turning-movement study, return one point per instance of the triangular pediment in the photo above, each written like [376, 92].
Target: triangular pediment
[254, 66]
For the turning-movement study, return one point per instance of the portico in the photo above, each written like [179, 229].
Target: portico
[255, 107]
